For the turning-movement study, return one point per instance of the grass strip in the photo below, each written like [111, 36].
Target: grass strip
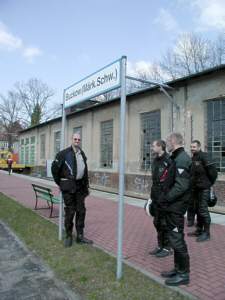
[87, 270]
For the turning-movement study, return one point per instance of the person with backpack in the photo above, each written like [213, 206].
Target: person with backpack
[203, 176]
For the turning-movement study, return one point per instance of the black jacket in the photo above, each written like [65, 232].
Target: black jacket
[199, 177]
[160, 171]
[64, 171]
[178, 195]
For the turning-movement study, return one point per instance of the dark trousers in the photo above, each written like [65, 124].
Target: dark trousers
[74, 203]
[203, 217]
[160, 226]
[175, 233]
[9, 169]
[191, 211]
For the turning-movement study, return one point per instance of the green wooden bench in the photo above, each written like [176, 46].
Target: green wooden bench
[44, 193]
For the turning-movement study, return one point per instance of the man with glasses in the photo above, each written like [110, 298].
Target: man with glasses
[70, 172]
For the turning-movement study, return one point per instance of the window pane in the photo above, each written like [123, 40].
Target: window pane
[32, 140]
[57, 137]
[150, 131]
[42, 146]
[216, 132]
[106, 144]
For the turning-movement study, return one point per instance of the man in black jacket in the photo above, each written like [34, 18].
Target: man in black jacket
[174, 202]
[200, 192]
[70, 172]
[160, 167]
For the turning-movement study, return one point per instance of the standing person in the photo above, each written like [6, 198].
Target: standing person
[174, 202]
[70, 172]
[201, 183]
[160, 166]
[9, 163]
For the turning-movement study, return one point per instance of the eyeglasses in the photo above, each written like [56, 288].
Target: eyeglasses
[77, 140]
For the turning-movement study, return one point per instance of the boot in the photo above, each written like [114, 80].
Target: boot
[178, 279]
[82, 240]
[197, 232]
[169, 274]
[68, 241]
[164, 252]
[155, 251]
[205, 236]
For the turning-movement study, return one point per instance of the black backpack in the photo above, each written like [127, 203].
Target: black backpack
[211, 173]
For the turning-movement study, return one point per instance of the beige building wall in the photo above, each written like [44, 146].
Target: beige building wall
[189, 120]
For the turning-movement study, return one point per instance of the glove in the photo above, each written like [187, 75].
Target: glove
[148, 207]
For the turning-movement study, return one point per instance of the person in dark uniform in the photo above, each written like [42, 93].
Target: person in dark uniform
[9, 163]
[70, 172]
[174, 202]
[200, 192]
[160, 166]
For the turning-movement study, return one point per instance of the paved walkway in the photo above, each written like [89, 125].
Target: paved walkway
[24, 276]
[207, 259]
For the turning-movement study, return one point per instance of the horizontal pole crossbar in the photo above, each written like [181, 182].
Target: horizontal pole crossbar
[162, 87]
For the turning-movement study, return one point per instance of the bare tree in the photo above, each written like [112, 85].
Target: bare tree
[192, 53]
[34, 96]
[218, 50]
[10, 117]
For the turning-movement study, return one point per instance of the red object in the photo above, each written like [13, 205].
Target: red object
[9, 161]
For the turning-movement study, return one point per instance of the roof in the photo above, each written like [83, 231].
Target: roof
[172, 83]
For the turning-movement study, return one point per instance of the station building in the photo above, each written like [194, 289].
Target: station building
[198, 112]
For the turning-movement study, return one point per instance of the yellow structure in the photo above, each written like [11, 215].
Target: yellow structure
[4, 155]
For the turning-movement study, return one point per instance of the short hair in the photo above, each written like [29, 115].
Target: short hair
[178, 137]
[196, 142]
[161, 143]
[77, 132]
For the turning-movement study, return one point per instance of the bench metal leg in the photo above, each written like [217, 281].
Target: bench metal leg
[36, 203]
[50, 216]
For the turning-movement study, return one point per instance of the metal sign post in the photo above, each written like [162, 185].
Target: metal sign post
[121, 169]
[62, 144]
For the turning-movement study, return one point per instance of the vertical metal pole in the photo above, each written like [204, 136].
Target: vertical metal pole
[121, 168]
[172, 117]
[62, 145]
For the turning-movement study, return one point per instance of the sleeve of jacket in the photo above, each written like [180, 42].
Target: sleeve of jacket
[86, 178]
[181, 182]
[56, 168]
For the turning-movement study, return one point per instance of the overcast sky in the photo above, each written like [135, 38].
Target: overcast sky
[62, 41]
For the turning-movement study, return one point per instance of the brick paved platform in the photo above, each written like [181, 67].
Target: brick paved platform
[207, 259]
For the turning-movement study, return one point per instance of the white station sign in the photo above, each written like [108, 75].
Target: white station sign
[102, 81]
